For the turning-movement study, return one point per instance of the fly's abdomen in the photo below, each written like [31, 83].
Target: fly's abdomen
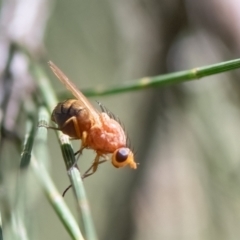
[71, 118]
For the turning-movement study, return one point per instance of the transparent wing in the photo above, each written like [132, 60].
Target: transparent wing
[72, 88]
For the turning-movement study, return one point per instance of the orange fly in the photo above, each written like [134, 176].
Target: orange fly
[99, 131]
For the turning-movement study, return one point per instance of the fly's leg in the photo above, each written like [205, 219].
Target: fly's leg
[83, 145]
[64, 192]
[77, 130]
[75, 124]
[93, 167]
[87, 174]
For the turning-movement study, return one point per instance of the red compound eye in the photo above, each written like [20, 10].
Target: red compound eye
[122, 157]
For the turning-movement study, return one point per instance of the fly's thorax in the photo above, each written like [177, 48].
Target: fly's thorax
[72, 118]
[113, 126]
[107, 135]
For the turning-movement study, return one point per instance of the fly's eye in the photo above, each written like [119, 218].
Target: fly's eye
[122, 155]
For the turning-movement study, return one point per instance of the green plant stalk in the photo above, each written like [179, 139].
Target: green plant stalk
[85, 210]
[69, 159]
[38, 163]
[76, 181]
[19, 209]
[56, 200]
[41, 148]
[162, 80]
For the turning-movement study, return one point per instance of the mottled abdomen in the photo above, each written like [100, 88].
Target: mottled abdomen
[72, 118]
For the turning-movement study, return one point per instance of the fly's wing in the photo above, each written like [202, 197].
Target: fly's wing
[72, 88]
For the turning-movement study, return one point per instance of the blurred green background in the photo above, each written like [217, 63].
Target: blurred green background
[186, 136]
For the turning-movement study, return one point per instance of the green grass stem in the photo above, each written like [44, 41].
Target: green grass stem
[38, 163]
[162, 80]
[50, 100]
